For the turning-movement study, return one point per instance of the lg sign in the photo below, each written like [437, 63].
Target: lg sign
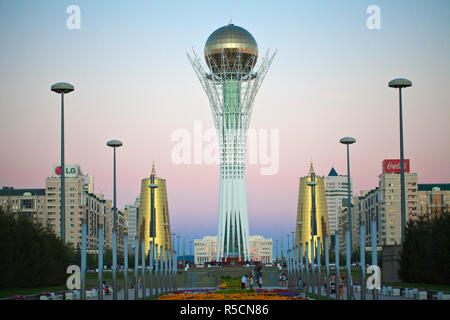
[393, 165]
[70, 171]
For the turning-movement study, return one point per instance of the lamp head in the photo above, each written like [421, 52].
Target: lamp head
[62, 87]
[153, 185]
[400, 83]
[347, 140]
[311, 183]
[114, 143]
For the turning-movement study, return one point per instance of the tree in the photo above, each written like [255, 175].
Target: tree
[30, 255]
[425, 254]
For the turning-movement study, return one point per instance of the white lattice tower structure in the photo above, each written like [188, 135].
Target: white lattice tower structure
[231, 86]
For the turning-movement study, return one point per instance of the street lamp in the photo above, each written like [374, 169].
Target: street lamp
[190, 251]
[178, 249]
[312, 183]
[114, 144]
[288, 235]
[62, 88]
[276, 252]
[184, 252]
[152, 232]
[152, 187]
[399, 84]
[348, 141]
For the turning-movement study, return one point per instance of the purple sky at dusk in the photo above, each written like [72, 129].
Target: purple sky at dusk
[134, 83]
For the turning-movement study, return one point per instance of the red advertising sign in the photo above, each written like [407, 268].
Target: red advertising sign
[58, 171]
[393, 165]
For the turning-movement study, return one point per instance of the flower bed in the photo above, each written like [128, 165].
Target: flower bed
[276, 294]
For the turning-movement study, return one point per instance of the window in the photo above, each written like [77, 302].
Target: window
[27, 204]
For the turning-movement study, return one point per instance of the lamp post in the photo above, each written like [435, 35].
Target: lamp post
[288, 258]
[276, 251]
[348, 141]
[152, 232]
[125, 262]
[281, 251]
[299, 224]
[400, 84]
[152, 187]
[184, 252]
[166, 251]
[178, 248]
[190, 251]
[136, 259]
[172, 250]
[114, 144]
[62, 88]
[312, 183]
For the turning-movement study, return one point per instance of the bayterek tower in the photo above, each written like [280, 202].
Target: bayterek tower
[231, 80]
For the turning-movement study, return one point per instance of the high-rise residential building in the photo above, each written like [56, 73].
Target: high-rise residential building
[389, 184]
[132, 211]
[382, 205]
[205, 249]
[336, 190]
[305, 224]
[43, 206]
[161, 213]
[434, 199]
[231, 84]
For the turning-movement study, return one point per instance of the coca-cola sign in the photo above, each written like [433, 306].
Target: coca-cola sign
[393, 165]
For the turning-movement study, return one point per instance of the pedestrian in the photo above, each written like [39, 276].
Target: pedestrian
[243, 281]
[260, 282]
[341, 287]
[333, 283]
[251, 281]
[280, 279]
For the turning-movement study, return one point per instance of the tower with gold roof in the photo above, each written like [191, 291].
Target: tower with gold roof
[161, 214]
[304, 223]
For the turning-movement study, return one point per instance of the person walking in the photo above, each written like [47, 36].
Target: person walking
[341, 287]
[260, 282]
[250, 279]
[333, 283]
[243, 281]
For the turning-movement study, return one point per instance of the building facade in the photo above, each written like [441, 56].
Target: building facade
[132, 212]
[205, 249]
[336, 190]
[434, 199]
[31, 202]
[162, 222]
[261, 249]
[43, 206]
[382, 205]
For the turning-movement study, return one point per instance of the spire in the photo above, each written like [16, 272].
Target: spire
[153, 169]
[311, 169]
